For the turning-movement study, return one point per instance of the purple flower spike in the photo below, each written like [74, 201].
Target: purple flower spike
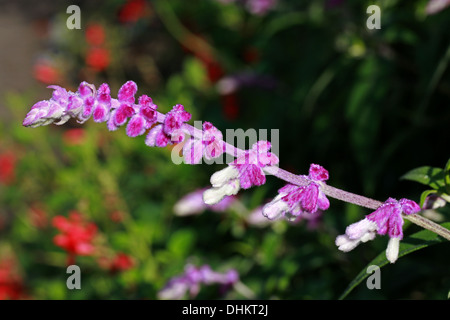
[104, 95]
[386, 219]
[122, 114]
[388, 216]
[212, 141]
[170, 131]
[192, 279]
[251, 163]
[102, 108]
[156, 137]
[317, 172]
[127, 92]
[143, 119]
[86, 89]
[136, 126]
[175, 118]
[292, 201]
[148, 110]
[245, 172]
[210, 146]
[52, 111]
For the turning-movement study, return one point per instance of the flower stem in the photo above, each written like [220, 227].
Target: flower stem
[429, 225]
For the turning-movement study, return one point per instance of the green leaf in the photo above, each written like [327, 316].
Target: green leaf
[447, 176]
[417, 241]
[433, 177]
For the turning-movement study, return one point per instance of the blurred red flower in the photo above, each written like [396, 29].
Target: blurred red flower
[116, 216]
[230, 106]
[95, 34]
[45, 72]
[121, 262]
[132, 11]
[11, 286]
[76, 235]
[7, 167]
[98, 58]
[75, 136]
[214, 70]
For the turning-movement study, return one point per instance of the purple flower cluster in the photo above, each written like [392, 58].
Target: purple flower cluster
[293, 201]
[192, 279]
[88, 102]
[170, 131]
[211, 145]
[387, 219]
[303, 197]
[244, 172]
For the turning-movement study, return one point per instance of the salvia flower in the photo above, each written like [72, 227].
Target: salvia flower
[192, 279]
[170, 131]
[244, 172]
[292, 200]
[89, 102]
[387, 219]
[211, 145]
[144, 118]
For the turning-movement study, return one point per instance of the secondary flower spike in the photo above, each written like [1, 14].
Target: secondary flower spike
[386, 219]
[293, 200]
[244, 172]
[193, 278]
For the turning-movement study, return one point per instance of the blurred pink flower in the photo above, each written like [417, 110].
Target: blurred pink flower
[193, 278]
[75, 136]
[435, 6]
[192, 204]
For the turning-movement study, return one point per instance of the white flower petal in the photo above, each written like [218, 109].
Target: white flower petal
[346, 244]
[392, 249]
[275, 209]
[216, 194]
[358, 229]
[219, 178]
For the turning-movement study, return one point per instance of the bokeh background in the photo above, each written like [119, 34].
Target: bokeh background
[368, 105]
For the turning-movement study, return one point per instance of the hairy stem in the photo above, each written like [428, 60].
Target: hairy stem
[429, 225]
[329, 190]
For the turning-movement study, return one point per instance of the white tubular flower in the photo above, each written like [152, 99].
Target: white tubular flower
[221, 177]
[361, 231]
[216, 194]
[392, 249]
[225, 183]
[275, 208]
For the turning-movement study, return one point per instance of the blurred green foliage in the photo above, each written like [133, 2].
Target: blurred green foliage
[368, 105]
